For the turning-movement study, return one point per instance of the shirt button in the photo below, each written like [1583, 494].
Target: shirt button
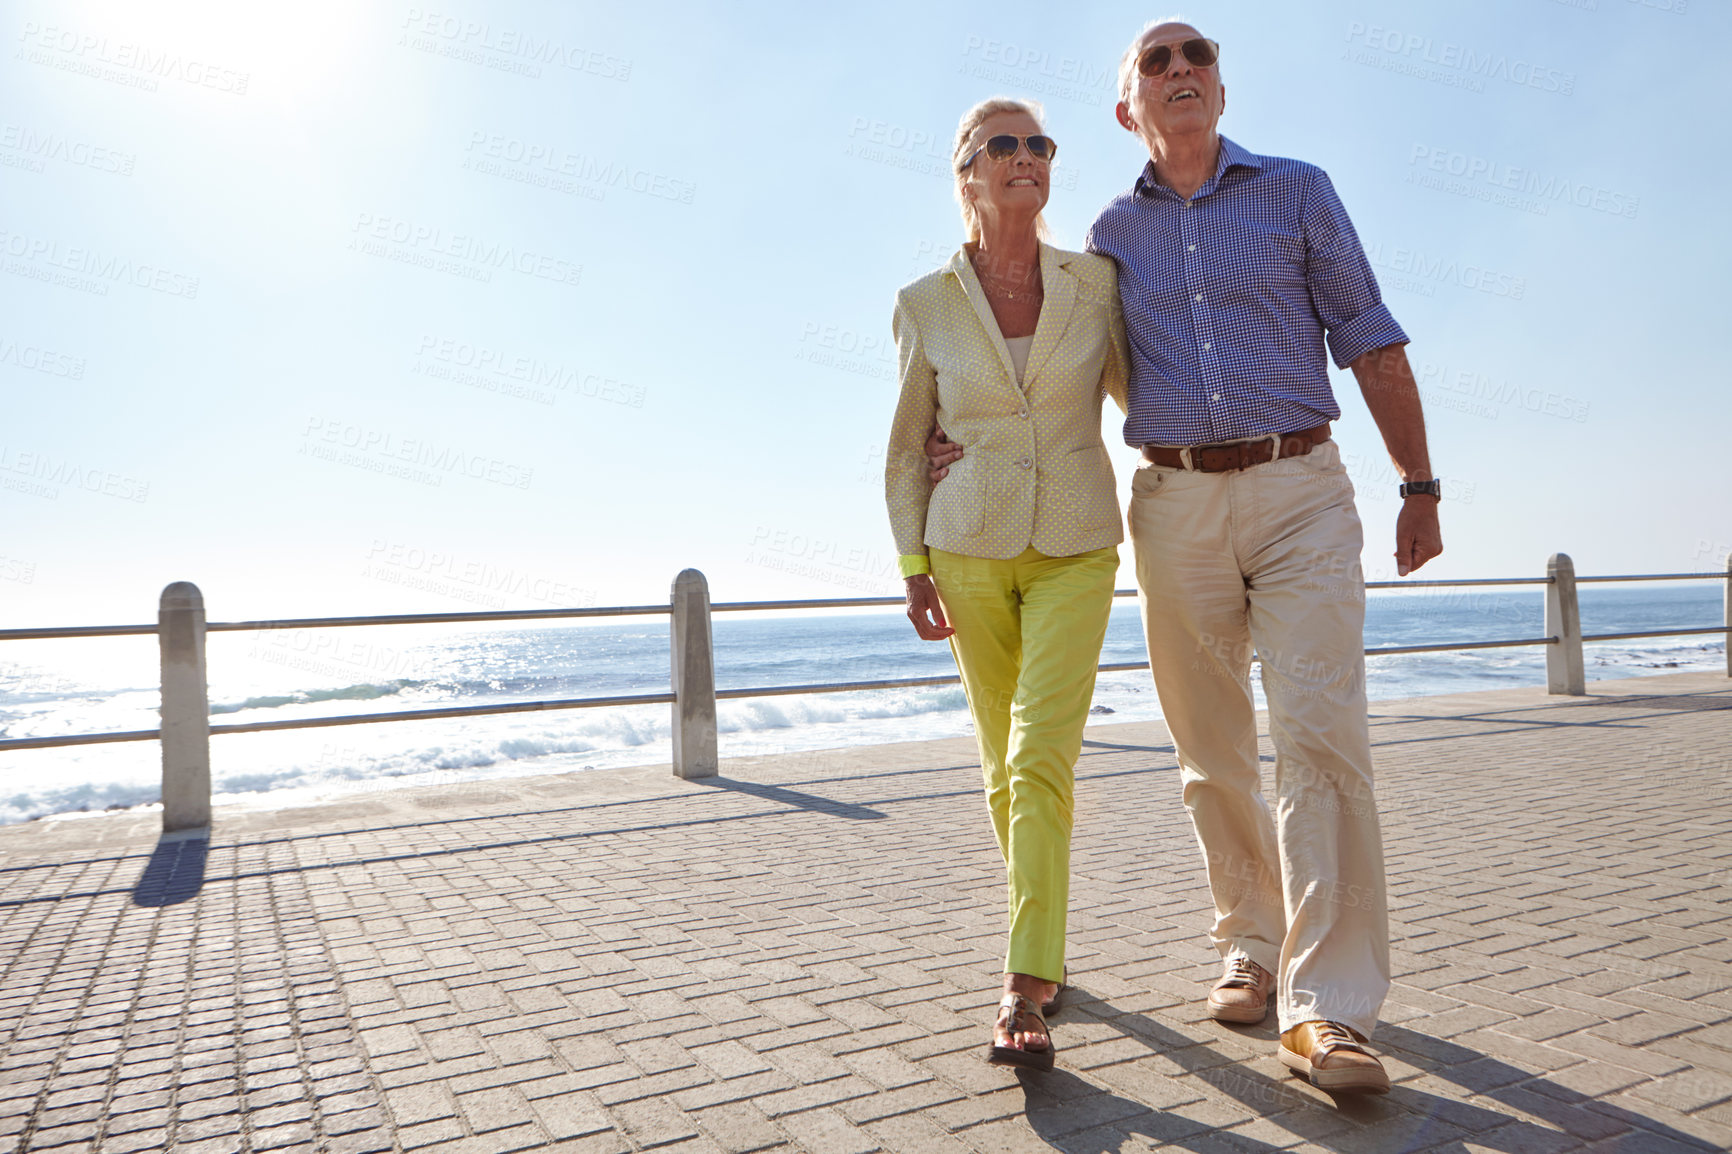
[1214, 396]
[1193, 248]
[1198, 297]
[1025, 463]
[1023, 413]
[1207, 345]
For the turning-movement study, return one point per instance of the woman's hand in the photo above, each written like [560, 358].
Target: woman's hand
[941, 453]
[924, 609]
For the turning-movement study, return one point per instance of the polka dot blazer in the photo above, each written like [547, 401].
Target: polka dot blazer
[1034, 471]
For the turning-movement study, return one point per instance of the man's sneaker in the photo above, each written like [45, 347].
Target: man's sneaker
[1242, 994]
[1334, 1058]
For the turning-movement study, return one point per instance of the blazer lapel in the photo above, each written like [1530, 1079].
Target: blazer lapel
[1055, 310]
[964, 270]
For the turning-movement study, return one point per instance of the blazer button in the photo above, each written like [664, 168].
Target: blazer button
[1023, 413]
[1026, 463]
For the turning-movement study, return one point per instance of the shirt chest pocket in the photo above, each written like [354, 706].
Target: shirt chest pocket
[1260, 259]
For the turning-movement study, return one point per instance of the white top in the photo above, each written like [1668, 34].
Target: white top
[1019, 347]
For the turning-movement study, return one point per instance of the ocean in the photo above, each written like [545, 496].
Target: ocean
[88, 685]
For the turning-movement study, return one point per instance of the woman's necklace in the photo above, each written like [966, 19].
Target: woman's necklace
[1027, 286]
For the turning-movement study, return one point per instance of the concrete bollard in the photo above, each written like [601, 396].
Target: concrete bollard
[185, 709]
[1564, 673]
[694, 677]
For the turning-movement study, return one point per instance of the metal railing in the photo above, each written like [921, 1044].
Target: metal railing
[186, 729]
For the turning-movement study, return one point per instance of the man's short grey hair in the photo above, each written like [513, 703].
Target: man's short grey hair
[971, 120]
[1128, 62]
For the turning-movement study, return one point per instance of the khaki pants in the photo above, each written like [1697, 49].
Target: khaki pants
[1027, 643]
[1267, 558]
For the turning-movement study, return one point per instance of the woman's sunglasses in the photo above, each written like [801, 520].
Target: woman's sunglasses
[1201, 53]
[1004, 147]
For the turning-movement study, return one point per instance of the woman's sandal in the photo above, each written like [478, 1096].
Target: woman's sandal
[1011, 1008]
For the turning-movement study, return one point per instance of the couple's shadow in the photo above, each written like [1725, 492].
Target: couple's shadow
[1079, 1116]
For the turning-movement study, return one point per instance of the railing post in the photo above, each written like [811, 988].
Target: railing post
[1564, 621]
[185, 709]
[694, 678]
[1726, 614]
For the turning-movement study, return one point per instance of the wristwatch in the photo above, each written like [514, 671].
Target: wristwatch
[1431, 488]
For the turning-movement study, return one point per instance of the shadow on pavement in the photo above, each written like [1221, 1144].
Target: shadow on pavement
[175, 872]
[793, 798]
[1079, 1117]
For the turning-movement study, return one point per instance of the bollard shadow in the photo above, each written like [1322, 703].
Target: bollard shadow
[1079, 1118]
[792, 798]
[175, 871]
[1096, 745]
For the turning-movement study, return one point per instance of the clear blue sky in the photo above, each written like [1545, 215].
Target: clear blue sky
[358, 308]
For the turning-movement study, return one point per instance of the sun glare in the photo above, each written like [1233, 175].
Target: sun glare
[271, 53]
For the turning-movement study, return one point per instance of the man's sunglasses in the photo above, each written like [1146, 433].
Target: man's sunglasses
[1004, 147]
[1200, 52]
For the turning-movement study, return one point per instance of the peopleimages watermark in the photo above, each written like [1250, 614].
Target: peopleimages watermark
[1414, 270]
[90, 270]
[471, 579]
[460, 254]
[1450, 63]
[915, 149]
[1039, 72]
[122, 61]
[32, 150]
[514, 374]
[335, 653]
[1374, 478]
[561, 170]
[12, 569]
[1512, 186]
[919, 150]
[932, 254]
[37, 474]
[38, 358]
[1478, 392]
[846, 350]
[1715, 553]
[504, 48]
[381, 451]
[803, 555]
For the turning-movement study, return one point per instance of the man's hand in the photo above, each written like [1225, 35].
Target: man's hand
[1392, 395]
[1417, 537]
[924, 609]
[941, 453]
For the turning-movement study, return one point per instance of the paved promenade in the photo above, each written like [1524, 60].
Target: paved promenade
[802, 955]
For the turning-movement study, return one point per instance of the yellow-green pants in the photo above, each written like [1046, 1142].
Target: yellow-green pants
[1028, 638]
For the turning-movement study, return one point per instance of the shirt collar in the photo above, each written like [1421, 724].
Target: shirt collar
[1231, 156]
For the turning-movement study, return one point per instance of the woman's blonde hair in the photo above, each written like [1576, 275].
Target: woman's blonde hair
[971, 120]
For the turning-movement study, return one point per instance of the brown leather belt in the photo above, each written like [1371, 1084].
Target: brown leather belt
[1233, 455]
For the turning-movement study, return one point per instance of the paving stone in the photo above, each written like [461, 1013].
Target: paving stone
[555, 969]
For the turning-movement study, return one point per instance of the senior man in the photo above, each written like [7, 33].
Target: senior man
[1237, 271]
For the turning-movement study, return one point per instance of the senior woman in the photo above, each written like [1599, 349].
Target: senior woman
[1010, 347]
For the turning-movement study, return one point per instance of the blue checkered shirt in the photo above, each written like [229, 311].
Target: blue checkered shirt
[1230, 296]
